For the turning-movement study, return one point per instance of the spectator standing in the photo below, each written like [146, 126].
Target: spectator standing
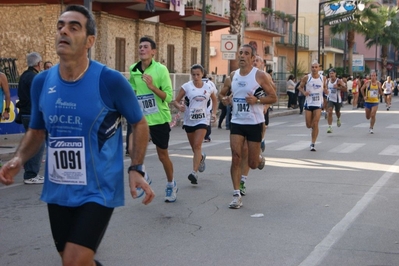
[4, 94]
[47, 65]
[32, 166]
[291, 92]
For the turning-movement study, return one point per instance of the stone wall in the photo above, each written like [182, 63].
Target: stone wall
[26, 28]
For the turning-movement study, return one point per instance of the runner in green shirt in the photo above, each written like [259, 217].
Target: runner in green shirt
[151, 82]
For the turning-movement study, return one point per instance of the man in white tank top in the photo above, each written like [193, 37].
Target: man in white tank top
[251, 89]
[315, 86]
[334, 86]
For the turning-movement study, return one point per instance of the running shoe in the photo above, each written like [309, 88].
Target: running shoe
[312, 148]
[193, 178]
[202, 165]
[207, 140]
[243, 188]
[371, 131]
[262, 163]
[35, 180]
[236, 203]
[262, 146]
[139, 190]
[171, 193]
[329, 130]
[338, 122]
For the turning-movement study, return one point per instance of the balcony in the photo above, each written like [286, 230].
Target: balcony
[270, 24]
[289, 40]
[219, 8]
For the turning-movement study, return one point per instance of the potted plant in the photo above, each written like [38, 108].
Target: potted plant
[267, 11]
[279, 14]
[256, 23]
[289, 18]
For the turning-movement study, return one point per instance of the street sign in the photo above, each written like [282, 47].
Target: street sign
[358, 63]
[228, 43]
[229, 55]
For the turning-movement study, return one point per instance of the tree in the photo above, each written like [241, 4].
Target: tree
[380, 32]
[355, 26]
[237, 9]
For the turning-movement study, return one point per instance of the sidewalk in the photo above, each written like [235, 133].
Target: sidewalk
[10, 142]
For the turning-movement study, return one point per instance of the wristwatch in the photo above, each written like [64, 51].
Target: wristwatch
[138, 168]
[7, 109]
[258, 101]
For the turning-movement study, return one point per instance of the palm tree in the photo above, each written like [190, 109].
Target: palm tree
[355, 26]
[380, 32]
[236, 18]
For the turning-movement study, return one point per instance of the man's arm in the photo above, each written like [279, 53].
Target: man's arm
[165, 90]
[301, 86]
[266, 82]
[138, 142]
[342, 85]
[223, 92]
[29, 146]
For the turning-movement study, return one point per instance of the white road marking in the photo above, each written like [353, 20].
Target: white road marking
[323, 248]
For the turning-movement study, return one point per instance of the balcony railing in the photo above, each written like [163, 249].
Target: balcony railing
[289, 39]
[216, 7]
[254, 19]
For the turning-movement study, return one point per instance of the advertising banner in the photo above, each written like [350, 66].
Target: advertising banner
[338, 12]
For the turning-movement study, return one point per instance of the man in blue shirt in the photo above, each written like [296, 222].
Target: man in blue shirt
[77, 108]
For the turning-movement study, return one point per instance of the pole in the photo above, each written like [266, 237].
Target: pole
[296, 40]
[88, 5]
[345, 46]
[318, 41]
[375, 62]
[203, 33]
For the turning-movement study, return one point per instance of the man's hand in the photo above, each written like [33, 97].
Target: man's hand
[137, 180]
[9, 170]
[148, 80]
[251, 99]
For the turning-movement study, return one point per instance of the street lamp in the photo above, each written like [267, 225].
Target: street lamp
[387, 24]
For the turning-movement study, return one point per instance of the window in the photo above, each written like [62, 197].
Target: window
[170, 64]
[194, 54]
[252, 5]
[268, 3]
[120, 54]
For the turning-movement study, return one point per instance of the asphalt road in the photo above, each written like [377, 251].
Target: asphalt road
[335, 206]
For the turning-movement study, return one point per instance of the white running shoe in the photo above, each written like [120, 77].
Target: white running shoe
[236, 203]
[202, 165]
[35, 180]
[171, 193]
[371, 131]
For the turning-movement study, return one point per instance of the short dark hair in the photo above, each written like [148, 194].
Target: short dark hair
[91, 27]
[148, 39]
[290, 77]
[252, 49]
[269, 71]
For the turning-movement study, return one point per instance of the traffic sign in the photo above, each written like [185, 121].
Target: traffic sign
[228, 43]
[229, 55]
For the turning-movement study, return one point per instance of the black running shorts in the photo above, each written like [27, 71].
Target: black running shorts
[84, 225]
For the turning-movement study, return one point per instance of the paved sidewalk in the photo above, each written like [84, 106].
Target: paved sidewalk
[9, 143]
